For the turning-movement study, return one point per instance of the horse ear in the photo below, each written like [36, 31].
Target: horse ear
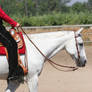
[79, 31]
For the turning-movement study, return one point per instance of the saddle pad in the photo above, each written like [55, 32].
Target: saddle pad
[21, 50]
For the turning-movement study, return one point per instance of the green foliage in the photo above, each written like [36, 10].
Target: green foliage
[79, 7]
[47, 12]
[55, 19]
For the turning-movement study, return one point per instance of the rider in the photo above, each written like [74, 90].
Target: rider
[15, 71]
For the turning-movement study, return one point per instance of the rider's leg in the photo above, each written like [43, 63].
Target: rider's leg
[10, 44]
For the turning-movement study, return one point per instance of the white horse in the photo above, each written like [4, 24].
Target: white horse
[49, 43]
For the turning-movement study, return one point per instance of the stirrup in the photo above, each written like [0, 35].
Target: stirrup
[13, 78]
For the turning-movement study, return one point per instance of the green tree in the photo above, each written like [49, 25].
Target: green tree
[90, 2]
[90, 5]
[79, 7]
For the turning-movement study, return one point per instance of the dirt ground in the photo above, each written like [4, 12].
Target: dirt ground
[52, 80]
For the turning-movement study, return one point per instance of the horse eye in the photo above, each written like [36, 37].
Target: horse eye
[81, 44]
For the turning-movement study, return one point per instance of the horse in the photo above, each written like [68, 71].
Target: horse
[49, 44]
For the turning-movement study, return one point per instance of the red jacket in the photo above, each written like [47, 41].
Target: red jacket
[7, 19]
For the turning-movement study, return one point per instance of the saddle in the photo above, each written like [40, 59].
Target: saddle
[21, 47]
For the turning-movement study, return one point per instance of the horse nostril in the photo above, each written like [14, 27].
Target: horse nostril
[85, 61]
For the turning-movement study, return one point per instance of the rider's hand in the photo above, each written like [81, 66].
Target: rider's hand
[17, 25]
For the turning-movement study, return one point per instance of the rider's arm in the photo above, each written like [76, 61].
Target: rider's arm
[7, 19]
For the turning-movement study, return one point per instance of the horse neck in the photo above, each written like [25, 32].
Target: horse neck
[52, 42]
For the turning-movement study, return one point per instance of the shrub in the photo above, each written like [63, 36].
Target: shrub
[55, 19]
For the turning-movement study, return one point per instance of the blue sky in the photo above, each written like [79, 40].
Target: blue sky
[74, 1]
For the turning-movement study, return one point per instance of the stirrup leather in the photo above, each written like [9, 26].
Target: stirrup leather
[21, 64]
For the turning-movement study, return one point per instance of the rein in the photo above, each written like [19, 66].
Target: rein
[49, 60]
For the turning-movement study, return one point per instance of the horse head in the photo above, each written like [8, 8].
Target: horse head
[75, 48]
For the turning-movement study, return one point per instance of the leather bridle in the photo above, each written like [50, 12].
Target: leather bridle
[78, 52]
[52, 62]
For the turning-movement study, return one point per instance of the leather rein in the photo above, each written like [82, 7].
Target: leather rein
[70, 68]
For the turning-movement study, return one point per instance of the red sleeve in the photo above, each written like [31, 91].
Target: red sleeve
[7, 19]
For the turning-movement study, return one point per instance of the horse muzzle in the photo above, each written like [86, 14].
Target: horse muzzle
[81, 64]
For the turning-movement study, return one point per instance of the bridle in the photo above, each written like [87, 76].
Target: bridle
[52, 62]
[78, 52]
